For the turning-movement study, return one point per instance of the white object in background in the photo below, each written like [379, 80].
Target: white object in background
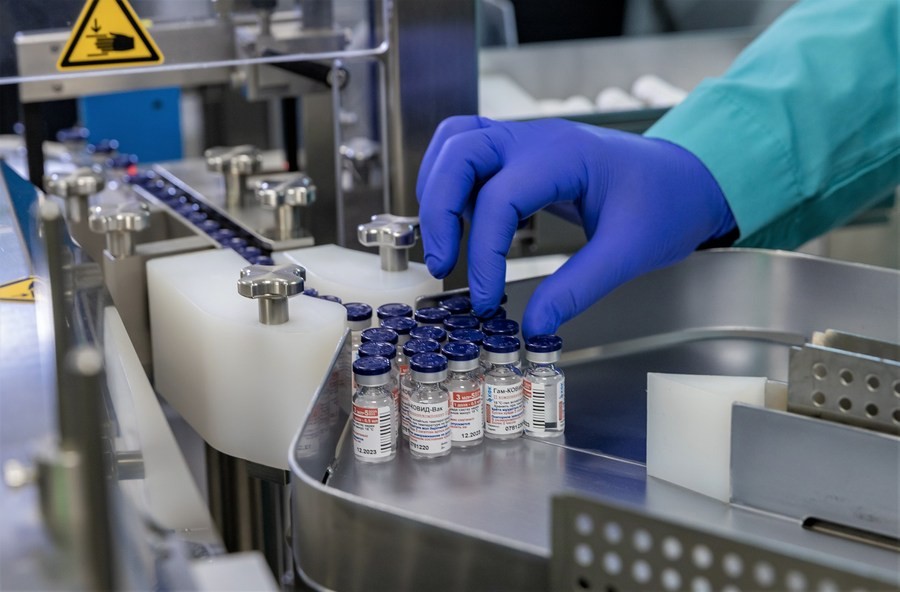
[500, 97]
[167, 490]
[575, 105]
[532, 267]
[243, 386]
[656, 92]
[617, 99]
[234, 572]
[354, 276]
[689, 428]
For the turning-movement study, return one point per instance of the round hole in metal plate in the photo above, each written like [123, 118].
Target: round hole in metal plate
[671, 579]
[702, 556]
[845, 404]
[642, 540]
[612, 563]
[671, 548]
[827, 585]
[764, 574]
[795, 581]
[871, 409]
[584, 555]
[846, 377]
[584, 584]
[896, 387]
[820, 371]
[873, 383]
[701, 584]
[641, 571]
[584, 524]
[733, 565]
[818, 398]
[612, 532]
[896, 415]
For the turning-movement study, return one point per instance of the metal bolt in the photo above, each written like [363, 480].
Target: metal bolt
[360, 157]
[119, 222]
[236, 163]
[393, 235]
[76, 187]
[17, 474]
[271, 286]
[286, 196]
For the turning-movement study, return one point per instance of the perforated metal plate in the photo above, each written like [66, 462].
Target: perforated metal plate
[597, 546]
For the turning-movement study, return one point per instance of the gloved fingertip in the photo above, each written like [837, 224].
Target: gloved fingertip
[436, 267]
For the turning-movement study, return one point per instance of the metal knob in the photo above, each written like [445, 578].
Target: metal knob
[271, 286]
[119, 222]
[393, 235]
[76, 187]
[360, 158]
[235, 163]
[286, 196]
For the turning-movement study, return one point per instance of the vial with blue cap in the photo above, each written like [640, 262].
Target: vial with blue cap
[461, 321]
[402, 326]
[502, 327]
[472, 336]
[359, 318]
[504, 407]
[374, 419]
[435, 332]
[457, 304]
[432, 315]
[544, 387]
[411, 348]
[381, 349]
[429, 407]
[394, 309]
[464, 385]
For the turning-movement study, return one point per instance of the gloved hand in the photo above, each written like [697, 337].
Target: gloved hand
[643, 203]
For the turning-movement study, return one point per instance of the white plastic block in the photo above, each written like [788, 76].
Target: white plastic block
[234, 572]
[689, 428]
[243, 386]
[355, 276]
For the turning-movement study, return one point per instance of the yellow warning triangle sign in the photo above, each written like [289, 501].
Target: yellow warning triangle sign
[108, 34]
[18, 290]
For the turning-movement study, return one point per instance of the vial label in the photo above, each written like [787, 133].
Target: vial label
[404, 411]
[545, 406]
[503, 408]
[373, 430]
[466, 416]
[404, 370]
[395, 399]
[429, 427]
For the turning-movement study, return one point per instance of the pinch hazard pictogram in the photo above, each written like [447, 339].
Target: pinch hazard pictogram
[21, 290]
[108, 34]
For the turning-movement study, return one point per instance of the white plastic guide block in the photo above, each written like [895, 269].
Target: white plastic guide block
[689, 428]
[354, 276]
[243, 386]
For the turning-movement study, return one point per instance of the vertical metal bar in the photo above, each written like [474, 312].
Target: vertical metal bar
[84, 373]
[34, 141]
[289, 133]
[338, 186]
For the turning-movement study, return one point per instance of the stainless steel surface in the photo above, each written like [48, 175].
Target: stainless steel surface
[602, 546]
[846, 386]
[119, 222]
[235, 163]
[75, 187]
[806, 468]
[393, 235]
[287, 195]
[494, 501]
[271, 286]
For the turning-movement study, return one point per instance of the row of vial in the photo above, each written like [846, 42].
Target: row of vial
[440, 382]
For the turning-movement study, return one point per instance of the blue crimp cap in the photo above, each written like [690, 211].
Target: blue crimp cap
[432, 315]
[394, 309]
[373, 349]
[461, 351]
[373, 366]
[330, 298]
[543, 344]
[428, 362]
[420, 346]
[456, 304]
[500, 327]
[378, 334]
[311, 292]
[501, 344]
[402, 325]
[467, 336]
[358, 311]
[461, 321]
[429, 332]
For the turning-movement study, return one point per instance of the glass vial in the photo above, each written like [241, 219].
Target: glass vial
[435, 332]
[429, 407]
[544, 387]
[472, 336]
[464, 385]
[504, 407]
[374, 420]
[394, 309]
[412, 347]
[359, 318]
[374, 349]
[402, 326]
[431, 315]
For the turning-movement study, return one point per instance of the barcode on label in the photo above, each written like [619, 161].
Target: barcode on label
[385, 430]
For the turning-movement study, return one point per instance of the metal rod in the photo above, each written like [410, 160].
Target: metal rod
[234, 190]
[289, 131]
[287, 221]
[120, 244]
[35, 129]
[394, 259]
[273, 311]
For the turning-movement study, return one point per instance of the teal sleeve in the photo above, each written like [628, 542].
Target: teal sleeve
[803, 130]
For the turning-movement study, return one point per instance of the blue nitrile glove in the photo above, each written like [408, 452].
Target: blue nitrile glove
[644, 203]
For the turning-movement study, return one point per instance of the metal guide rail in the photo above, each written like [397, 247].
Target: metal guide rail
[483, 519]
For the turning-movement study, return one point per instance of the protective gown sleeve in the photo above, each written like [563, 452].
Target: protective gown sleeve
[803, 130]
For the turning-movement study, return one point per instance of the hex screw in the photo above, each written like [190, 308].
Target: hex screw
[119, 222]
[271, 286]
[287, 197]
[236, 163]
[393, 235]
[75, 187]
